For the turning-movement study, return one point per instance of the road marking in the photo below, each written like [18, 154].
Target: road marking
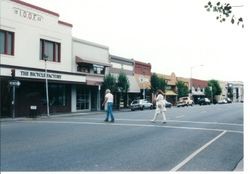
[174, 121]
[180, 116]
[190, 157]
[134, 125]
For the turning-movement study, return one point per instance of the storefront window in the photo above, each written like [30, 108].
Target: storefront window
[57, 95]
[82, 98]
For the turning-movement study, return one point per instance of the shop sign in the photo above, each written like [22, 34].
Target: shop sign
[27, 14]
[50, 76]
[40, 75]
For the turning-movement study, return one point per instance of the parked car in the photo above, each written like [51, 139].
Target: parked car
[223, 101]
[140, 104]
[204, 101]
[228, 100]
[185, 101]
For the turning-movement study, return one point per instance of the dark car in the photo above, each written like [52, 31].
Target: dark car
[204, 101]
[140, 104]
[168, 104]
[228, 100]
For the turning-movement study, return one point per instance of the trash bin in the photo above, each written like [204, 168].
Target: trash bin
[33, 111]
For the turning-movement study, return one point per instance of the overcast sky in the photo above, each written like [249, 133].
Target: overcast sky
[172, 35]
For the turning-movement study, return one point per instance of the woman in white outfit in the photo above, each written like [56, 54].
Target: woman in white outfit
[160, 107]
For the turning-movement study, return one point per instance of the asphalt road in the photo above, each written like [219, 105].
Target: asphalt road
[198, 138]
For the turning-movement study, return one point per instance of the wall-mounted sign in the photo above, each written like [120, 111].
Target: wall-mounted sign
[40, 74]
[27, 14]
[32, 74]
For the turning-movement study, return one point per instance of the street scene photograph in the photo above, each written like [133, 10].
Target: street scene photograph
[123, 86]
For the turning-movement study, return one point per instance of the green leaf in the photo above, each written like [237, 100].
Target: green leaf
[206, 6]
[218, 3]
[240, 19]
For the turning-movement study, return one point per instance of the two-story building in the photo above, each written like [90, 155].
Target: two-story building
[198, 88]
[125, 65]
[29, 35]
[142, 73]
[171, 89]
[92, 61]
[237, 90]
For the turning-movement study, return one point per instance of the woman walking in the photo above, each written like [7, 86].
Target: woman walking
[160, 106]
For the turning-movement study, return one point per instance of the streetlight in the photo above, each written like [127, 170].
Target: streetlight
[45, 58]
[142, 80]
[211, 89]
[190, 81]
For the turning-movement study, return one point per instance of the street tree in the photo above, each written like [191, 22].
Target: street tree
[216, 89]
[224, 11]
[182, 89]
[208, 93]
[154, 80]
[157, 83]
[122, 86]
[109, 83]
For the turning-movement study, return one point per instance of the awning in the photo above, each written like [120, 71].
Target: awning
[80, 60]
[170, 93]
[133, 85]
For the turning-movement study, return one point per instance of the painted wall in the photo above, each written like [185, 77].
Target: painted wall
[29, 25]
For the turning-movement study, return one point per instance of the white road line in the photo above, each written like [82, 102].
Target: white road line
[174, 121]
[133, 125]
[190, 157]
[180, 116]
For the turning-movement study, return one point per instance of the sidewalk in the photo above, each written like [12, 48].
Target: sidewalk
[60, 115]
[239, 167]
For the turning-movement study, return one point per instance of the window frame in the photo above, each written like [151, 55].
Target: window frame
[7, 35]
[56, 50]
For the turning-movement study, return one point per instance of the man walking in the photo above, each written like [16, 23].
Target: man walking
[109, 103]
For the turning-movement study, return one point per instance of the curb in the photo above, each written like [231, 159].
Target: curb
[72, 114]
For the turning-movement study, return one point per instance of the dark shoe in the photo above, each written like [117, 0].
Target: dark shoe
[105, 120]
[112, 121]
[164, 122]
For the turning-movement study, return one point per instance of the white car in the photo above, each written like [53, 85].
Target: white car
[223, 101]
[141, 104]
[185, 101]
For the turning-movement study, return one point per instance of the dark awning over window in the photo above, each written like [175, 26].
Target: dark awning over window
[80, 60]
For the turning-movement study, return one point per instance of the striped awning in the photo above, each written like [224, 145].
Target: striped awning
[170, 93]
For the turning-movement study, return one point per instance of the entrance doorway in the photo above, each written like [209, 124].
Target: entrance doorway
[82, 98]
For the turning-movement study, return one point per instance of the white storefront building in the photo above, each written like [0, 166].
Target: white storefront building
[31, 34]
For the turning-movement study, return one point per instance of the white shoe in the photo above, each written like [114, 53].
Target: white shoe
[152, 121]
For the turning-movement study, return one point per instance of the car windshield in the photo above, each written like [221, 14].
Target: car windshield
[135, 102]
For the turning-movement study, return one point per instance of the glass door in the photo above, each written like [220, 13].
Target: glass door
[82, 98]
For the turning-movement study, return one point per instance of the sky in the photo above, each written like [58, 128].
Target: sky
[173, 35]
